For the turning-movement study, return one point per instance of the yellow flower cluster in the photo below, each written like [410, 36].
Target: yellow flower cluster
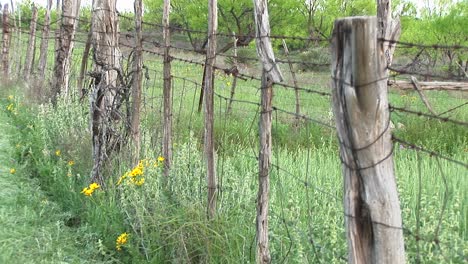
[12, 171]
[121, 240]
[88, 191]
[136, 175]
[11, 107]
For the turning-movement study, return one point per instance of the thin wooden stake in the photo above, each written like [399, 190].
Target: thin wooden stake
[28, 63]
[293, 75]
[414, 81]
[234, 74]
[44, 43]
[167, 92]
[84, 64]
[209, 107]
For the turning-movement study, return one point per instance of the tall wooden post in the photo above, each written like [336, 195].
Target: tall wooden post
[69, 22]
[107, 86]
[271, 73]
[137, 81]
[360, 102]
[167, 92]
[44, 43]
[19, 40]
[28, 63]
[6, 43]
[209, 106]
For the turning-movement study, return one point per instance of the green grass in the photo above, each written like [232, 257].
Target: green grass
[34, 228]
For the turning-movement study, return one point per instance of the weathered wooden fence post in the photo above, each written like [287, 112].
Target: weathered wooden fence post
[69, 22]
[105, 97]
[360, 102]
[44, 44]
[29, 61]
[19, 40]
[209, 107]
[6, 43]
[137, 82]
[270, 74]
[167, 92]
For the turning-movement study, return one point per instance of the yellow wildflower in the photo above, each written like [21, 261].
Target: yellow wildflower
[58, 152]
[12, 171]
[139, 182]
[94, 186]
[161, 158]
[71, 163]
[88, 191]
[10, 107]
[121, 240]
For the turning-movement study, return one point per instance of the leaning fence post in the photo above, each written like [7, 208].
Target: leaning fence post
[293, 75]
[6, 42]
[44, 43]
[360, 102]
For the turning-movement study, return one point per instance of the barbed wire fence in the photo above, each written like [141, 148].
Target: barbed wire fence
[301, 193]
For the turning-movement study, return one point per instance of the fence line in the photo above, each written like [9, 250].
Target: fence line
[153, 101]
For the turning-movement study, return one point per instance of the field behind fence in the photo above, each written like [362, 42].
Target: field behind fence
[427, 125]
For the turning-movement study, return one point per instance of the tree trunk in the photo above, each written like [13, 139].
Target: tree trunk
[167, 92]
[209, 106]
[271, 73]
[105, 96]
[6, 43]
[69, 22]
[29, 61]
[360, 102]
